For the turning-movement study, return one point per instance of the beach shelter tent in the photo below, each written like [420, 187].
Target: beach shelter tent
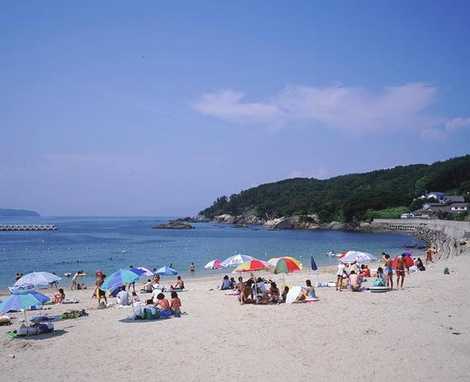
[293, 293]
[166, 271]
[235, 260]
[214, 264]
[357, 256]
[37, 280]
[121, 277]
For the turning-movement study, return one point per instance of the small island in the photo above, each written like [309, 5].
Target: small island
[10, 212]
[174, 224]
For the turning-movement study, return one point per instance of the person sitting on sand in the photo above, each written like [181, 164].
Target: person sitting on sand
[175, 304]
[179, 284]
[365, 271]
[355, 281]
[284, 293]
[388, 270]
[420, 265]
[148, 286]
[122, 298]
[233, 283]
[226, 283]
[59, 297]
[274, 293]
[246, 295]
[162, 303]
[239, 285]
[135, 298]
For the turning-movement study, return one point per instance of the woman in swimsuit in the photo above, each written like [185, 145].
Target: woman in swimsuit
[400, 271]
[388, 271]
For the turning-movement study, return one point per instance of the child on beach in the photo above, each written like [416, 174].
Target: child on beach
[388, 270]
[175, 304]
[284, 293]
[340, 273]
[59, 297]
[162, 303]
[400, 271]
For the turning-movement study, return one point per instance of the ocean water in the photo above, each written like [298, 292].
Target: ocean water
[108, 244]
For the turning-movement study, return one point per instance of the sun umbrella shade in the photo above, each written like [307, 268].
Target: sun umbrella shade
[166, 271]
[37, 279]
[214, 264]
[360, 257]
[287, 265]
[146, 271]
[22, 301]
[406, 259]
[121, 277]
[235, 260]
[252, 266]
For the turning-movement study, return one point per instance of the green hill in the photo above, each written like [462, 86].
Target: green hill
[348, 197]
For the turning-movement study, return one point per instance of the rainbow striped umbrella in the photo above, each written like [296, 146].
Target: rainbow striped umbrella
[287, 264]
[252, 266]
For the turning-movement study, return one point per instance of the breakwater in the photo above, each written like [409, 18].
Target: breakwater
[27, 227]
[450, 238]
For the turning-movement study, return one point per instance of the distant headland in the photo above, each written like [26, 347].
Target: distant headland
[10, 212]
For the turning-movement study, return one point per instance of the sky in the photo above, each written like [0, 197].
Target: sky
[150, 108]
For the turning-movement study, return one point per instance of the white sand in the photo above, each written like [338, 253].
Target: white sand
[405, 335]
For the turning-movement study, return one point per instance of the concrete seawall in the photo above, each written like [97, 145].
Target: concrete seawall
[451, 238]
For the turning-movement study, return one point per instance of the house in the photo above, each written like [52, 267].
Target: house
[436, 208]
[454, 199]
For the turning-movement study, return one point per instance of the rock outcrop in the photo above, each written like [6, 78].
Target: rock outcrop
[294, 222]
[174, 224]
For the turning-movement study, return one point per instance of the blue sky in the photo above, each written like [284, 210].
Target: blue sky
[120, 108]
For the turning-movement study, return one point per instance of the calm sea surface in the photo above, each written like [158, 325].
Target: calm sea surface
[108, 244]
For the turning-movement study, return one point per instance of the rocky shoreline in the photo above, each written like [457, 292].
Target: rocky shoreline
[297, 222]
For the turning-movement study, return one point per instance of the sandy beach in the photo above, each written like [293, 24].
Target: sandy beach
[419, 333]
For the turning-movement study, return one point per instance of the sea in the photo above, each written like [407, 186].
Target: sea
[110, 243]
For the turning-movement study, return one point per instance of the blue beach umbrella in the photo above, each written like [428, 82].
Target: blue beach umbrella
[166, 271]
[121, 277]
[22, 301]
[37, 279]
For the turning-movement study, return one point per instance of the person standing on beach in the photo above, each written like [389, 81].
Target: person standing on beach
[388, 270]
[429, 254]
[339, 276]
[400, 271]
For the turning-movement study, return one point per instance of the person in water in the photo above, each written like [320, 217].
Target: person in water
[388, 270]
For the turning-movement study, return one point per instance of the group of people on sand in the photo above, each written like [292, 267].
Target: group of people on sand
[351, 275]
[124, 295]
[262, 291]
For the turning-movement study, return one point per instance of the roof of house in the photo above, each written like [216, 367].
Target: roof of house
[455, 199]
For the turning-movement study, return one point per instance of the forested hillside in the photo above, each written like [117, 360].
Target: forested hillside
[347, 197]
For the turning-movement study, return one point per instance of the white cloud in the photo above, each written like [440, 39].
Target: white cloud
[338, 107]
[457, 123]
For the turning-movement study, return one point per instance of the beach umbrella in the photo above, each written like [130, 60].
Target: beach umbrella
[252, 266]
[293, 293]
[272, 262]
[22, 301]
[287, 265]
[121, 277]
[313, 264]
[166, 271]
[357, 256]
[37, 279]
[214, 264]
[236, 260]
[146, 271]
